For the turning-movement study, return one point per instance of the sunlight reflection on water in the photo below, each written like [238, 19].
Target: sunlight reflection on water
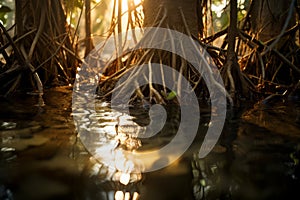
[114, 137]
[110, 133]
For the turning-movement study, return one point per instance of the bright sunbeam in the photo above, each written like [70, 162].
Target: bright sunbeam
[124, 11]
[120, 195]
[218, 7]
[125, 4]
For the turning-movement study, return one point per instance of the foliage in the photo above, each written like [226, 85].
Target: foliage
[3, 12]
[221, 18]
[71, 4]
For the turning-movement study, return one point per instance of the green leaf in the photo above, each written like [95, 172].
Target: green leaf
[171, 95]
[2, 17]
[5, 9]
[79, 3]
[203, 182]
[295, 159]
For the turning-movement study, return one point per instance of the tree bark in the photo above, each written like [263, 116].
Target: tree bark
[155, 10]
[47, 47]
[88, 35]
[231, 72]
[269, 21]
[269, 17]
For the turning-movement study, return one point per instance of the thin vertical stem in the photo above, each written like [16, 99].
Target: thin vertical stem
[232, 31]
[120, 42]
[88, 34]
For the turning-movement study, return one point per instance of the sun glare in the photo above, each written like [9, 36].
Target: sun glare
[125, 4]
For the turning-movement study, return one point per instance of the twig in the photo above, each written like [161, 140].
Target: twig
[252, 39]
[208, 46]
[215, 36]
[270, 82]
[284, 59]
[25, 35]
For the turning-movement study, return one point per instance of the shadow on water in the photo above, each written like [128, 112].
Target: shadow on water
[41, 157]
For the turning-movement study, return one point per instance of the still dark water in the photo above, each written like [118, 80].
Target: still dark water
[42, 157]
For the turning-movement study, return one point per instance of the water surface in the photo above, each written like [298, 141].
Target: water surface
[42, 157]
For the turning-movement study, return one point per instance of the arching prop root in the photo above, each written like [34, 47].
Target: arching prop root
[42, 50]
[152, 92]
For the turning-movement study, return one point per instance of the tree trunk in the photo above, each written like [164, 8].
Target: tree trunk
[173, 10]
[178, 15]
[47, 46]
[231, 71]
[270, 20]
[269, 17]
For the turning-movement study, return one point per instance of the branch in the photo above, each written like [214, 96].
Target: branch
[284, 59]
[215, 36]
